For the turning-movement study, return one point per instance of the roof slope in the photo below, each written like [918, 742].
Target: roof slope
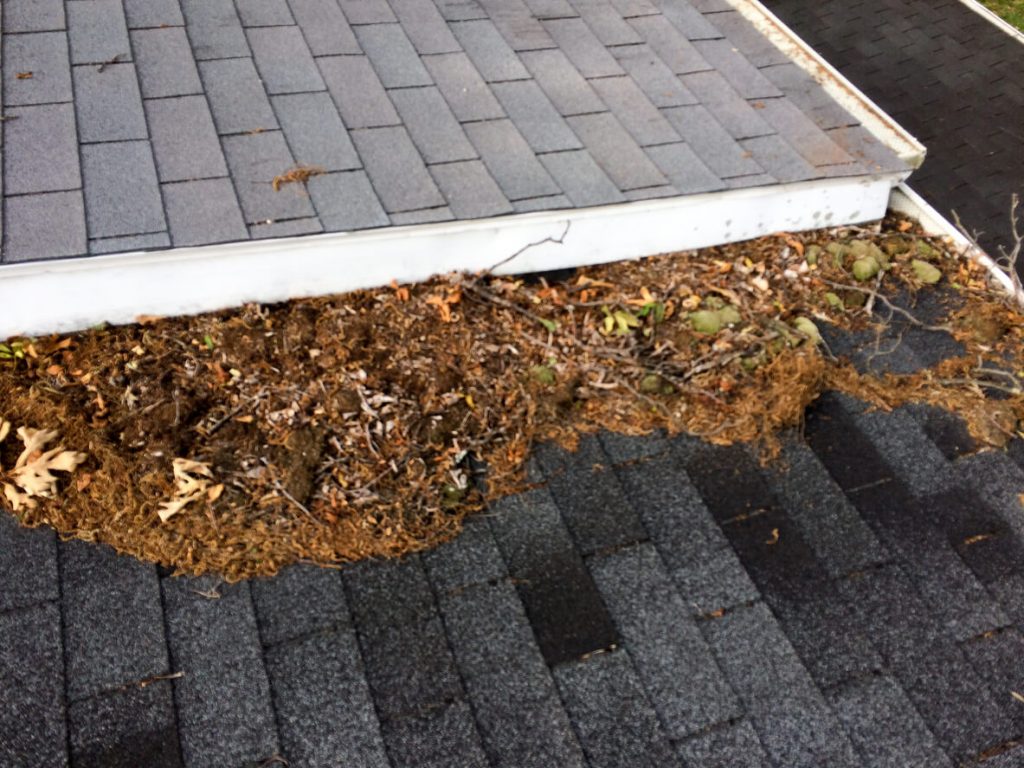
[654, 603]
[140, 125]
[950, 77]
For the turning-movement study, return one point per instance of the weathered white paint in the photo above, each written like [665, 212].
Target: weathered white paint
[71, 294]
[870, 115]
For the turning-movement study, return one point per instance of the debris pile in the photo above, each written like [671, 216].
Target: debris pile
[369, 424]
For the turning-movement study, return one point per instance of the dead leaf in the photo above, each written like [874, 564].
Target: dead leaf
[774, 539]
[32, 476]
[1017, 696]
[24, 76]
[193, 483]
[300, 174]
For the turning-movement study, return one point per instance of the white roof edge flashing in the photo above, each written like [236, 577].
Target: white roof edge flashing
[851, 98]
[993, 18]
[72, 294]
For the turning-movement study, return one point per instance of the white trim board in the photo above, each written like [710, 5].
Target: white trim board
[994, 18]
[72, 294]
[851, 98]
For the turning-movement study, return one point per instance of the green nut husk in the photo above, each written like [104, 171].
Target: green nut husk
[866, 267]
[543, 374]
[807, 327]
[925, 272]
[706, 321]
[812, 253]
[729, 315]
[834, 301]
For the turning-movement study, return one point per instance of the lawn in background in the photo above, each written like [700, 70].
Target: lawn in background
[1011, 10]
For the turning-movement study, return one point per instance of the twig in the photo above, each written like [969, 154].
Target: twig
[892, 307]
[556, 240]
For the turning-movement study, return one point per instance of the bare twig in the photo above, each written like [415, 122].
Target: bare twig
[556, 240]
[889, 305]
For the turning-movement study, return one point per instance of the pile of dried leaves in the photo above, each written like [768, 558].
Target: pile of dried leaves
[361, 425]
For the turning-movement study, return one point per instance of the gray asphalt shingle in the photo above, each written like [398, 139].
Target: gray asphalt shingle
[284, 62]
[396, 170]
[122, 195]
[582, 48]
[518, 711]
[324, 26]
[570, 93]
[203, 211]
[97, 31]
[357, 92]
[143, 14]
[125, 728]
[425, 26]
[444, 738]
[185, 143]
[50, 225]
[214, 29]
[616, 152]
[322, 704]
[165, 63]
[109, 105]
[509, 159]
[470, 190]
[314, 131]
[463, 88]
[609, 709]
[664, 641]
[683, 167]
[33, 675]
[255, 160]
[490, 54]
[133, 243]
[40, 149]
[653, 76]
[636, 112]
[432, 126]
[236, 96]
[28, 565]
[33, 15]
[223, 699]
[394, 59]
[36, 69]
[109, 601]
[346, 201]
[581, 179]
[264, 13]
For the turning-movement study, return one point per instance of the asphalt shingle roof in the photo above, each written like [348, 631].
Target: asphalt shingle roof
[143, 125]
[653, 602]
[949, 76]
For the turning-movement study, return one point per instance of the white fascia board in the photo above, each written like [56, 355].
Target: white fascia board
[72, 294]
[851, 98]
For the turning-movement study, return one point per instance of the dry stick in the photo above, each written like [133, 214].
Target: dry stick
[560, 240]
[892, 307]
[1004, 273]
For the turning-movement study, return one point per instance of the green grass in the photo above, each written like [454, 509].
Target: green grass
[1011, 10]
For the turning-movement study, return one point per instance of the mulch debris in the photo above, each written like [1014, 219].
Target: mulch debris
[369, 424]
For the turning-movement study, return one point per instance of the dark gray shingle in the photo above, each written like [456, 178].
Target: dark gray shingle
[584, 50]
[28, 565]
[635, 111]
[33, 674]
[125, 728]
[223, 700]
[609, 710]
[712, 143]
[562, 82]
[298, 601]
[443, 738]
[653, 76]
[731, 745]
[683, 167]
[109, 601]
[535, 117]
[663, 641]
[513, 696]
[322, 703]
